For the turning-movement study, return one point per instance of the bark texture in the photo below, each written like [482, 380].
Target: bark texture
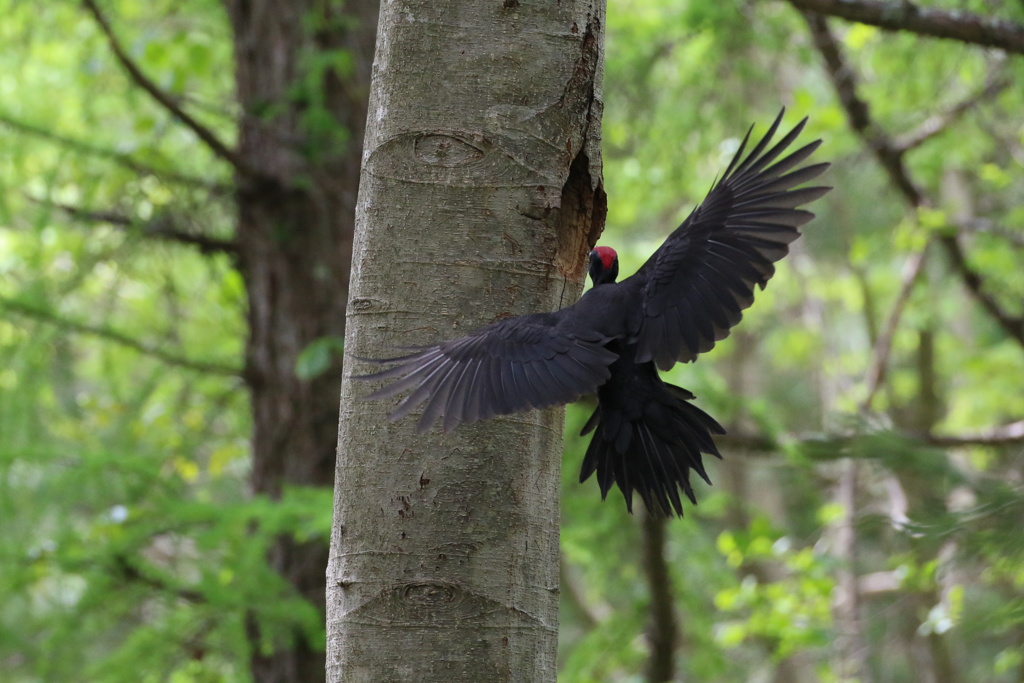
[295, 225]
[480, 197]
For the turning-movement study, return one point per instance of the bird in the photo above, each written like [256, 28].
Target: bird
[647, 434]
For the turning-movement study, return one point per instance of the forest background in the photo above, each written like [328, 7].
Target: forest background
[865, 522]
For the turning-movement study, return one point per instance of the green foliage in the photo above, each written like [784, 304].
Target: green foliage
[128, 546]
[789, 615]
[129, 549]
[318, 356]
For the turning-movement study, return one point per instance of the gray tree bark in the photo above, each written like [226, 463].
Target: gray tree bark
[480, 197]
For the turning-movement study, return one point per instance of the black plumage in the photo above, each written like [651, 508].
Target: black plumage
[685, 298]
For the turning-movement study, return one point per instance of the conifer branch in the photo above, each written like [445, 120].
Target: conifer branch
[121, 159]
[109, 334]
[162, 227]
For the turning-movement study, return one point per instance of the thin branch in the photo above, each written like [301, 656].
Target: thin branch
[883, 345]
[938, 123]
[936, 23]
[980, 225]
[758, 445]
[890, 157]
[165, 100]
[109, 217]
[1004, 435]
[160, 228]
[662, 630]
[30, 311]
[591, 614]
[1012, 325]
[120, 158]
[844, 80]
[129, 572]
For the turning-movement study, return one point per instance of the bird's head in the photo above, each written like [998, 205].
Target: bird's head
[604, 265]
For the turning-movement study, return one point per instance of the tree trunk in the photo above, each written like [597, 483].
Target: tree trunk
[301, 132]
[662, 629]
[480, 197]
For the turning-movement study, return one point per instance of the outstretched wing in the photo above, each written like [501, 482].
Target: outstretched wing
[508, 366]
[696, 285]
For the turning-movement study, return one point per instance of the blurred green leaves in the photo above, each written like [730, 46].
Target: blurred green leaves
[316, 358]
[130, 550]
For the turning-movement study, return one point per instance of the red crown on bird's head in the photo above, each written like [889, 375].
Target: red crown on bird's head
[607, 256]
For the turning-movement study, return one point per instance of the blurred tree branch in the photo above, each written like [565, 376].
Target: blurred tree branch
[980, 225]
[662, 630]
[1012, 325]
[162, 98]
[119, 158]
[878, 369]
[844, 81]
[890, 156]
[128, 571]
[103, 332]
[995, 84]
[592, 614]
[761, 444]
[994, 436]
[851, 644]
[162, 227]
[936, 23]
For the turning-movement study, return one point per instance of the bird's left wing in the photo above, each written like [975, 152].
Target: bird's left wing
[511, 365]
[696, 285]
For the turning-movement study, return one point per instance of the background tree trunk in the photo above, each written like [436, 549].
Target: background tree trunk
[301, 131]
[481, 194]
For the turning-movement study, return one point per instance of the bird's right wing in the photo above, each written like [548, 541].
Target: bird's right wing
[509, 366]
[696, 285]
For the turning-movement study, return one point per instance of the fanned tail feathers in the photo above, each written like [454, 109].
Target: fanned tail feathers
[654, 455]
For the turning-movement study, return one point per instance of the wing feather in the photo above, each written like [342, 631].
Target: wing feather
[495, 403]
[509, 366]
[697, 284]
